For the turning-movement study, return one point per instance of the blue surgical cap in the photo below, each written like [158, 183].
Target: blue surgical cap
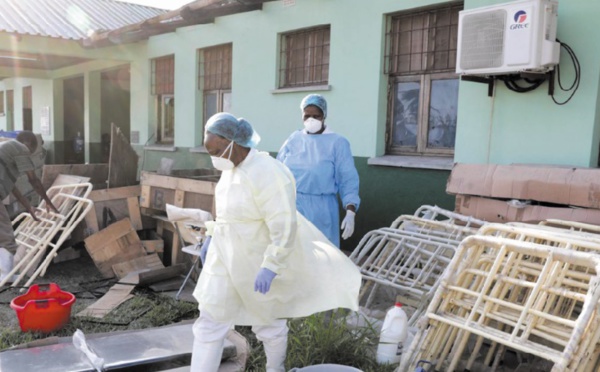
[315, 100]
[233, 129]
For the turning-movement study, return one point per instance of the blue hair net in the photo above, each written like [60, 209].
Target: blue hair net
[315, 100]
[232, 128]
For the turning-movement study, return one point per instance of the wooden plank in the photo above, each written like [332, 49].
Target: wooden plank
[166, 285]
[123, 160]
[176, 257]
[154, 246]
[69, 179]
[135, 215]
[153, 276]
[117, 243]
[97, 173]
[145, 196]
[115, 296]
[179, 198]
[185, 184]
[115, 193]
[144, 263]
[162, 224]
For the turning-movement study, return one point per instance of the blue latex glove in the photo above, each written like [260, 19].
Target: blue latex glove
[263, 280]
[204, 250]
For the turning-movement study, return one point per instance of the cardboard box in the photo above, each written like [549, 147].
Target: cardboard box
[493, 210]
[559, 185]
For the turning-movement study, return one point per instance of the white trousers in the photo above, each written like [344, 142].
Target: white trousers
[209, 337]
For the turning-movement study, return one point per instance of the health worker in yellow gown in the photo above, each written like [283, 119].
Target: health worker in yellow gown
[263, 261]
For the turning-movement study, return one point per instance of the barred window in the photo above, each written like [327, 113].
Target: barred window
[215, 68]
[423, 86]
[215, 79]
[304, 58]
[163, 86]
[163, 75]
[424, 41]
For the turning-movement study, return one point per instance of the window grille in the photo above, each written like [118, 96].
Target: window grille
[163, 75]
[215, 68]
[305, 58]
[424, 41]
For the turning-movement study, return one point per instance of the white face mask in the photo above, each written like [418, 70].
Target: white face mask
[221, 163]
[313, 125]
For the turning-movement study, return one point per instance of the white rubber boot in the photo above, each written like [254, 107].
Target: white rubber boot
[275, 349]
[206, 356]
[6, 263]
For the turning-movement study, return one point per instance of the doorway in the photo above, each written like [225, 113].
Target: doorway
[10, 110]
[73, 109]
[116, 106]
[27, 107]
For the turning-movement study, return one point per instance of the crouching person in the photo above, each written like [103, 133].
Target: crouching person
[263, 262]
[15, 160]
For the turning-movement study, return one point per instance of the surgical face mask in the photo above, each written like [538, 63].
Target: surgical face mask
[221, 163]
[313, 125]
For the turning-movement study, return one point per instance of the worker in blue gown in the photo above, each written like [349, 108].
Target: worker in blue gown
[322, 163]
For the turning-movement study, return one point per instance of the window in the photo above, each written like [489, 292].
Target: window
[423, 88]
[215, 79]
[304, 59]
[163, 86]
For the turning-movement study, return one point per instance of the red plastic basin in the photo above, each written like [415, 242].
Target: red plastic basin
[44, 308]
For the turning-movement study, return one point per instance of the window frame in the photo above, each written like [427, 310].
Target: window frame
[311, 65]
[220, 93]
[161, 115]
[162, 92]
[423, 115]
[424, 77]
[224, 84]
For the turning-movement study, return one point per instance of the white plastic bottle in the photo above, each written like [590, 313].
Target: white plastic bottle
[393, 335]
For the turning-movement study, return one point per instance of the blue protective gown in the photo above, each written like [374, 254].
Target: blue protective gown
[323, 167]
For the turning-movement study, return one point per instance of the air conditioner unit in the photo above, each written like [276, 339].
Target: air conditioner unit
[509, 38]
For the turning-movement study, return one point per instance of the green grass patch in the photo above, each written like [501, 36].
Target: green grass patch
[322, 339]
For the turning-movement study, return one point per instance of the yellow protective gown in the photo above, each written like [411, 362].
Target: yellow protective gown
[257, 226]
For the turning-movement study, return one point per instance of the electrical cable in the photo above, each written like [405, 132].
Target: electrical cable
[511, 81]
[576, 80]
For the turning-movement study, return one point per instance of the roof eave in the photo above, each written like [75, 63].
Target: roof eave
[198, 12]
